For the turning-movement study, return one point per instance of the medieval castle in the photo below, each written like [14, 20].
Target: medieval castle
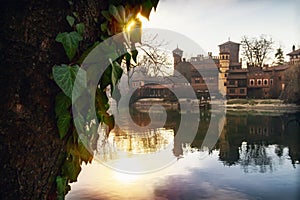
[223, 75]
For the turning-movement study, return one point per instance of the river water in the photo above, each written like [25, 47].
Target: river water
[255, 157]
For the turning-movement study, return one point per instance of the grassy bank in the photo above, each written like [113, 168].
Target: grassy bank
[262, 105]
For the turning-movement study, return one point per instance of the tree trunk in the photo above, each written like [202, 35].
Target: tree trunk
[31, 151]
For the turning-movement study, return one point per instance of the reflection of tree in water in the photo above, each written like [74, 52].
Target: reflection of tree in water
[105, 149]
[132, 142]
[263, 133]
[254, 156]
[269, 139]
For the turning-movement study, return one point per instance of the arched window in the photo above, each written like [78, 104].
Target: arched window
[259, 81]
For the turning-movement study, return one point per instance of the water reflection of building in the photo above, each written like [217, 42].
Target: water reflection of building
[258, 131]
[245, 139]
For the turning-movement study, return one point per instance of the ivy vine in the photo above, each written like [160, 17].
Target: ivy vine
[116, 20]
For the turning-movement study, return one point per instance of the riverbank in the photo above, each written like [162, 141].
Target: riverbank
[253, 105]
[261, 105]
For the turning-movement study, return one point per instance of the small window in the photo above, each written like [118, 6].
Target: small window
[231, 82]
[265, 81]
[259, 81]
[242, 91]
[251, 82]
[242, 83]
[231, 91]
[271, 81]
[279, 78]
[225, 75]
[225, 83]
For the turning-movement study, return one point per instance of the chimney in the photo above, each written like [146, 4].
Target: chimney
[293, 47]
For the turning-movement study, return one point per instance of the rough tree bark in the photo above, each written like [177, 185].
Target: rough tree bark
[29, 142]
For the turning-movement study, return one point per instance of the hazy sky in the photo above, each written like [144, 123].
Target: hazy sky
[212, 22]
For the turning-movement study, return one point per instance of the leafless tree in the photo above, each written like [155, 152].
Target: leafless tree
[153, 58]
[256, 50]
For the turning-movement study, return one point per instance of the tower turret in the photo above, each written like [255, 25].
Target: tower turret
[177, 55]
[224, 63]
[233, 49]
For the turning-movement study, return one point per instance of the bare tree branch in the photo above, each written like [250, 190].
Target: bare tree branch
[256, 50]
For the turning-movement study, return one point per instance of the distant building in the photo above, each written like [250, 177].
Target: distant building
[265, 82]
[215, 76]
[250, 82]
[294, 56]
[228, 60]
[200, 71]
[236, 83]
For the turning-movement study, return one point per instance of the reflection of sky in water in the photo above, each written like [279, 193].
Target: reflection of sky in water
[245, 164]
[195, 176]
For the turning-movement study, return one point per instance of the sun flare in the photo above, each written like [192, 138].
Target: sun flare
[125, 178]
[130, 25]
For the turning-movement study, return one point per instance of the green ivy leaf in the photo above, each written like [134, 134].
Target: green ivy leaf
[85, 155]
[62, 104]
[106, 14]
[109, 121]
[116, 74]
[71, 168]
[146, 8]
[106, 78]
[70, 20]
[80, 28]
[62, 187]
[101, 102]
[122, 13]
[104, 27]
[79, 121]
[115, 13]
[63, 124]
[65, 76]
[70, 42]
[134, 54]
[128, 61]
[116, 95]
[75, 14]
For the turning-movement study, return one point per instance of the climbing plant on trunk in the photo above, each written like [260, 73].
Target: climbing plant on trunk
[37, 39]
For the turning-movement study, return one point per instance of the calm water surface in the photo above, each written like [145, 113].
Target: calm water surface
[256, 157]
